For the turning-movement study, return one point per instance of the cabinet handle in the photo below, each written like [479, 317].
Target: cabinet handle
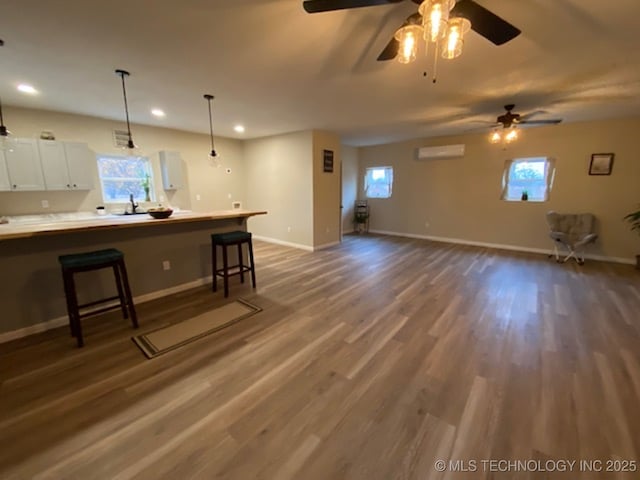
[68, 186]
[75, 186]
[15, 186]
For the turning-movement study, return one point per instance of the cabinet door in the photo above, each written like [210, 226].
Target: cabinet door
[54, 165]
[23, 165]
[171, 166]
[5, 185]
[81, 162]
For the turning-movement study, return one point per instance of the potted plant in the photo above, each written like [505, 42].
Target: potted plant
[634, 219]
[146, 184]
[525, 196]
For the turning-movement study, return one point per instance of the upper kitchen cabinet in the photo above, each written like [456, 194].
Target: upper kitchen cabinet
[171, 166]
[66, 165]
[23, 165]
[81, 162]
[5, 184]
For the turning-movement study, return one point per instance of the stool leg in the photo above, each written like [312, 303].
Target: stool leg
[123, 301]
[240, 263]
[75, 314]
[214, 266]
[127, 292]
[67, 296]
[225, 270]
[252, 264]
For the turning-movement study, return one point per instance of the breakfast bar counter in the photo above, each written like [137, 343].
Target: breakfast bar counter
[163, 256]
[10, 230]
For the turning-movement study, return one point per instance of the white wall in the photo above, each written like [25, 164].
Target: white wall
[326, 190]
[279, 179]
[204, 180]
[349, 186]
[459, 198]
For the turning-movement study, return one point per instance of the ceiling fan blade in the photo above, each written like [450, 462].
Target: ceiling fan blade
[553, 121]
[390, 51]
[485, 23]
[315, 6]
[529, 115]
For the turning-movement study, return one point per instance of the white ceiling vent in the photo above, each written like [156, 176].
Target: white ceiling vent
[443, 151]
[120, 138]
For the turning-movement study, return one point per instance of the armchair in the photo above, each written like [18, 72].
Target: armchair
[573, 232]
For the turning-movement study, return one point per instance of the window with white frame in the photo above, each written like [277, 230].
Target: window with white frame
[528, 179]
[124, 176]
[378, 182]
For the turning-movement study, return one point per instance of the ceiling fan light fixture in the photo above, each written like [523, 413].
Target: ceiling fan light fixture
[456, 30]
[512, 135]
[408, 37]
[435, 15]
[495, 137]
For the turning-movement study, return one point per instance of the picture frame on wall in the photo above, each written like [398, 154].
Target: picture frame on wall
[601, 164]
[327, 156]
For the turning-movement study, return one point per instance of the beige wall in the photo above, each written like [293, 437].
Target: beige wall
[326, 190]
[349, 185]
[212, 184]
[459, 198]
[279, 179]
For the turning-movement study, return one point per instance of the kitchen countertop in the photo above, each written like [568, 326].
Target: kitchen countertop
[53, 226]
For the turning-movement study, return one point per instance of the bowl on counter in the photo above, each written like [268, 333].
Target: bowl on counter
[159, 213]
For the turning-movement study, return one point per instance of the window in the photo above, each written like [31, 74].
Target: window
[378, 182]
[527, 179]
[122, 176]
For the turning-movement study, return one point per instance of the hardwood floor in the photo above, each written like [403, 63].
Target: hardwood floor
[371, 360]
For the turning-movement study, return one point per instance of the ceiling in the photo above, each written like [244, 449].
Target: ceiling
[275, 69]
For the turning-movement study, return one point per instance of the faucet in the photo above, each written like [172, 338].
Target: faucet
[133, 204]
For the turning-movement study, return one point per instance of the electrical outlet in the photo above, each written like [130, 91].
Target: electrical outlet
[161, 198]
[166, 265]
[427, 224]
[327, 230]
[229, 196]
[198, 196]
[289, 229]
[45, 203]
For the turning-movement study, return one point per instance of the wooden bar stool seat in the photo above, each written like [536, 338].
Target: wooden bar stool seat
[229, 239]
[84, 262]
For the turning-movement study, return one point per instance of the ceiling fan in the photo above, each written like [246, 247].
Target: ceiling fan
[483, 21]
[510, 119]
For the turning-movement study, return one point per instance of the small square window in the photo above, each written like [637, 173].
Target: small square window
[527, 179]
[378, 182]
[124, 176]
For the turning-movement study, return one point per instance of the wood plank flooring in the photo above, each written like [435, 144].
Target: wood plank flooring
[371, 360]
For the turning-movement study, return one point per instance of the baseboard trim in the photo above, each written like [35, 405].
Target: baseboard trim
[326, 245]
[283, 243]
[62, 321]
[500, 246]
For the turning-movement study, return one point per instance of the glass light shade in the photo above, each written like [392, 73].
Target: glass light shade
[512, 135]
[495, 137]
[6, 144]
[435, 14]
[456, 30]
[409, 37]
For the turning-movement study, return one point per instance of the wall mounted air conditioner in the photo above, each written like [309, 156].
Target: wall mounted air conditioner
[443, 151]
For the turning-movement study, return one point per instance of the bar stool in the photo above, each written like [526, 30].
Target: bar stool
[84, 262]
[225, 240]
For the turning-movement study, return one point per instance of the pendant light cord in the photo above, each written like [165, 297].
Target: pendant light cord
[122, 74]
[1, 116]
[3, 129]
[209, 98]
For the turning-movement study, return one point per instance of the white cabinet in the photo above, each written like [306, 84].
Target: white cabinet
[23, 165]
[81, 162]
[171, 166]
[66, 165]
[5, 184]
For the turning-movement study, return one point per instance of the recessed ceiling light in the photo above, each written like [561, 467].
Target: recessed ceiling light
[239, 128]
[158, 113]
[24, 88]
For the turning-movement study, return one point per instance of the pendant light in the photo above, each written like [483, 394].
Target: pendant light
[130, 145]
[213, 154]
[5, 142]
